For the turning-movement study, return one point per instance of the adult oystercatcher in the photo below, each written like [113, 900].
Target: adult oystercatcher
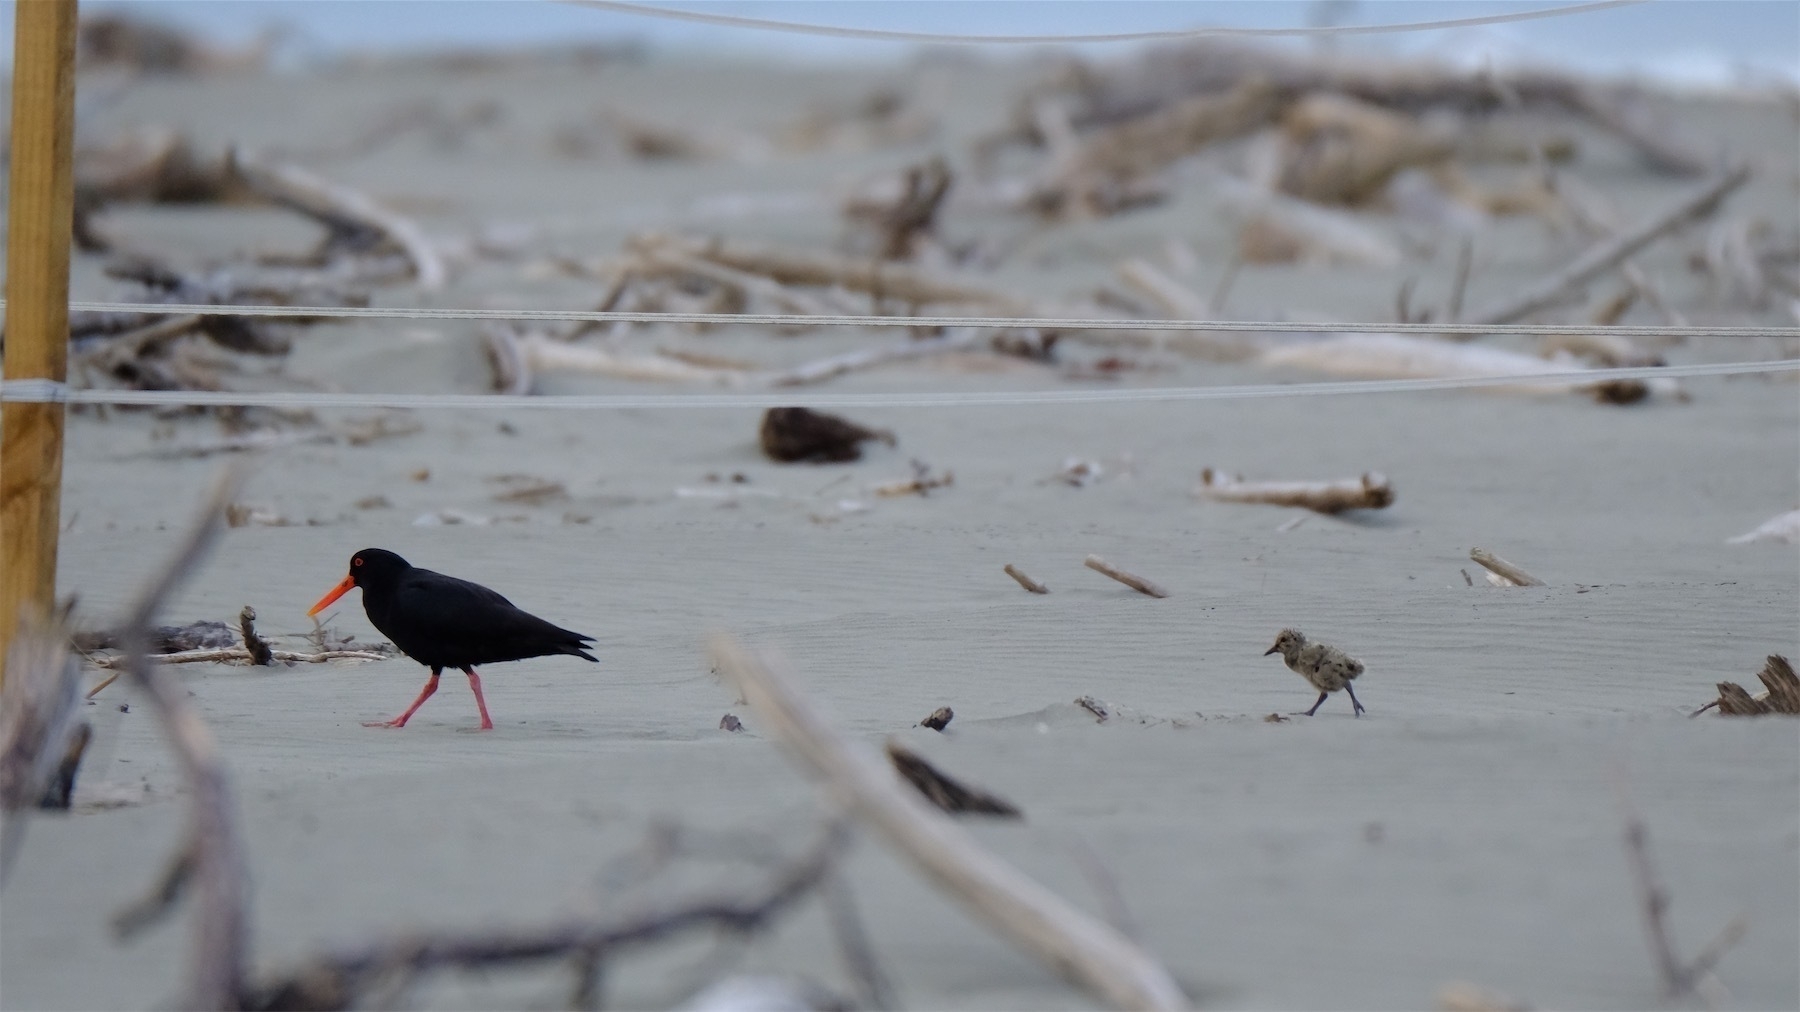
[443, 622]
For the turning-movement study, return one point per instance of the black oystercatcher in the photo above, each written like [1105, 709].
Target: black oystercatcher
[443, 622]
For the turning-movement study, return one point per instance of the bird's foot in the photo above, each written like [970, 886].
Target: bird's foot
[486, 725]
[384, 723]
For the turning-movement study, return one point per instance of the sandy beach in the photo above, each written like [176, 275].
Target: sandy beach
[1468, 829]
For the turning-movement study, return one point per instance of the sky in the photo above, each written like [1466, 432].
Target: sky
[1703, 42]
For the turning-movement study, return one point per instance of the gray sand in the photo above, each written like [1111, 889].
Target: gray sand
[1467, 829]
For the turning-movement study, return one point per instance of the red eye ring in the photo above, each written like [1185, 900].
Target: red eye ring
[356, 562]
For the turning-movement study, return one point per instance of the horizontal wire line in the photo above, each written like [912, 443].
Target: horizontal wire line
[879, 34]
[995, 322]
[42, 391]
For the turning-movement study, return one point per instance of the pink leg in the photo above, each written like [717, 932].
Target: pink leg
[475, 683]
[400, 721]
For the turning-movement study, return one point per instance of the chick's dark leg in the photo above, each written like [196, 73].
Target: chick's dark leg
[1320, 702]
[400, 721]
[1353, 700]
[480, 703]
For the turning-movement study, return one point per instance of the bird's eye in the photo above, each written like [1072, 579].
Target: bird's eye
[356, 562]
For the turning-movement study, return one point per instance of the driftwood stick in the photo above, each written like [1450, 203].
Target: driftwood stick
[1025, 581]
[254, 645]
[1137, 583]
[40, 725]
[512, 372]
[1170, 296]
[118, 350]
[884, 279]
[542, 354]
[232, 654]
[222, 924]
[820, 370]
[1087, 953]
[344, 978]
[1371, 491]
[1604, 257]
[338, 206]
[1503, 569]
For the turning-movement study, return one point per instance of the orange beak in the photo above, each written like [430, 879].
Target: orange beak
[336, 592]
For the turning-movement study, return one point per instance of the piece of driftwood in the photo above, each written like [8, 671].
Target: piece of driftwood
[125, 42]
[1781, 693]
[1102, 713]
[1372, 491]
[795, 435]
[254, 645]
[1107, 171]
[940, 718]
[40, 726]
[352, 976]
[820, 370]
[1137, 583]
[1511, 574]
[908, 220]
[543, 354]
[1084, 951]
[342, 209]
[881, 279]
[922, 482]
[1698, 202]
[1341, 150]
[168, 639]
[512, 372]
[1402, 356]
[1102, 93]
[945, 791]
[1025, 581]
[1784, 528]
[1276, 228]
[1171, 297]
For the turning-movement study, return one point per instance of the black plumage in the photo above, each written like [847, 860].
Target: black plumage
[443, 622]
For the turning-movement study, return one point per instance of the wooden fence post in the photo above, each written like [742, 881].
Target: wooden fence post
[40, 205]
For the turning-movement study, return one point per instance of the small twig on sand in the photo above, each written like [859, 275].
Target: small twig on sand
[1513, 575]
[1137, 583]
[1607, 255]
[1084, 951]
[943, 790]
[1371, 492]
[1025, 581]
[254, 645]
[1678, 978]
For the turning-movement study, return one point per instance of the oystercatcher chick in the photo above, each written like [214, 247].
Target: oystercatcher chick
[1326, 667]
[443, 622]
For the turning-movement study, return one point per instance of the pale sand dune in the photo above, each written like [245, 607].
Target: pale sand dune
[1465, 829]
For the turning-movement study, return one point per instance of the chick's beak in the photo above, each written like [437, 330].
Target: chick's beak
[336, 592]
[1265, 652]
